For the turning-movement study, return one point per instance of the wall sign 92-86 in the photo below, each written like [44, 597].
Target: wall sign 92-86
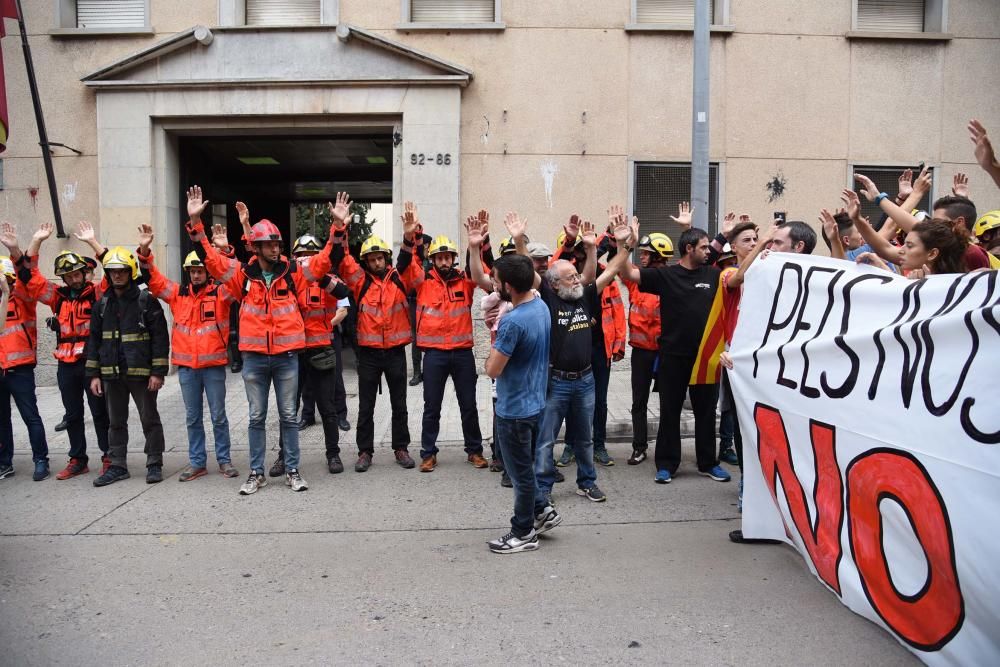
[420, 159]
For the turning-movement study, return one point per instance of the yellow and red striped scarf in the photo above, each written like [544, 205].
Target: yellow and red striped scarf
[713, 341]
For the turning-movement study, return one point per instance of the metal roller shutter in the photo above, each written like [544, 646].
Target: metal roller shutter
[110, 13]
[891, 15]
[283, 12]
[659, 188]
[452, 11]
[675, 12]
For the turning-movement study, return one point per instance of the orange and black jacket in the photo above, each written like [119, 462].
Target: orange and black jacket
[128, 336]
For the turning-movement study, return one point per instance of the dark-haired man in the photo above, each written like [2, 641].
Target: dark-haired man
[794, 236]
[687, 292]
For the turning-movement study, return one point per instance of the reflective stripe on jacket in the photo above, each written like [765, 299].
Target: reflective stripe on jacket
[643, 318]
[444, 312]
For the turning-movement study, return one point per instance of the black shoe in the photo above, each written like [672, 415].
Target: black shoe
[737, 536]
[41, 471]
[278, 469]
[306, 422]
[344, 424]
[416, 379]
[154, 474]
[111, 475]
[559, 476]
[61, 426]
[236, 367]
[6, 471]
[505, 481]
[335, 465]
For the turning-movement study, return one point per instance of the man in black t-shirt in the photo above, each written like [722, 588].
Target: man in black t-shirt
[575, 310]
[686, 290]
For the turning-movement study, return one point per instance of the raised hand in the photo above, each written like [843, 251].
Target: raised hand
[744, 219]
[8, 235]
[684, 213]
[410, 218]
[476, 230]
[588, 233]
[484, 220]
[145, 236]
[868, 188]
[829, 224]
[851, 203]
[728, 223]
[572, 228]
[196, 204]
[960, 185]
[219, 237]
[244, 213]
[622, 231]
[985, 156]
[516, 226]
[616, 216]
[923, 183]
[634, 229]
[905, 181]
[84, 232]
[340, 211]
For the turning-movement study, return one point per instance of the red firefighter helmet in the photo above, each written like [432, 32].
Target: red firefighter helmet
[265, 230]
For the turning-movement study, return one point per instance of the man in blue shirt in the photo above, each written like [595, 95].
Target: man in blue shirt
[519, 363]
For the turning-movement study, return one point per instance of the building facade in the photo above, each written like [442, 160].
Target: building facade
[547, 108]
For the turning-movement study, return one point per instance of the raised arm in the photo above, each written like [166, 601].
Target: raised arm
[477, 226]
[630, 271]
[4, 299]
[8, 236]
[517, 228]
[43, 232]
[903, 218]
[159, 285]
[832, 233]
[589, 237]
[881, 246]
[985, 156]
[85, 232]
[623, 237]
[763, 238]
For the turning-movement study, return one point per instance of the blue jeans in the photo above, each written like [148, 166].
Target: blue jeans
[212, 382]
[602, 378]
[259, 371]
[19, 383]
[572, 400]
[516, 439]
[460, 365]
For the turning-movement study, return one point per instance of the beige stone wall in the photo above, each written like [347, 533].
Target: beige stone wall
[564, 85]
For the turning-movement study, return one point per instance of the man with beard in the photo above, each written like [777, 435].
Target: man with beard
[574, 305]
[383, 328]
[687, 292]
[444, 335]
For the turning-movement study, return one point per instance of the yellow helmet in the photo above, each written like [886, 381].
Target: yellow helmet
[7, 267]
[441, 244]
[507, 245]
[562, 239]
[657, 243]
[68, 261]
[121, 258]
[989, 220]
[192, 259]
[375, 244]
[306, 243]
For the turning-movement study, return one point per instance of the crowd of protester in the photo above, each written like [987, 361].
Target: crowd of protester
[557, 322]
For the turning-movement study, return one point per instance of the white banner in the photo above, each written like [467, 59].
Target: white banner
[870, 416]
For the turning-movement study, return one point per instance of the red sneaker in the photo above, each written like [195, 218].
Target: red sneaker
[105, 463]
[73, 468]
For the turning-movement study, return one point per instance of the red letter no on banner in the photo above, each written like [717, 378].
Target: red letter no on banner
[930, 618]
[822, 537]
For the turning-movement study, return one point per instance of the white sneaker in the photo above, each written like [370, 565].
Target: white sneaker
[547, 519]
[511, 544]
[294, 480]
[254, 481]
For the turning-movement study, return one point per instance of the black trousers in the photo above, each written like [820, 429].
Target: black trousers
[460, 366]
[643, 362]
[73, 386]
[339, 391]
[116, 393]
[373, 363]
[727, 387]
[673, 378]
[415, 352]
[320, 384]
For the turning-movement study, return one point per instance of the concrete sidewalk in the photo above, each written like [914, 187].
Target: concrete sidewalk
[391, 567]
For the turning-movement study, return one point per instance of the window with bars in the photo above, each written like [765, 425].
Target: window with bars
[900, 16]
[453, 11]
[671, 12]
[283, 12]
[886, 179]
[93, 14]
[660, 188]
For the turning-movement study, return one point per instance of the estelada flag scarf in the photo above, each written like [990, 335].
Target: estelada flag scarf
[8, 9]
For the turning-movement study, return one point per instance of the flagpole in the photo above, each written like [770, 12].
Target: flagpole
[43, 137]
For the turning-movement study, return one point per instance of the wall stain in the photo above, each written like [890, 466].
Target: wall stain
[776, 187]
